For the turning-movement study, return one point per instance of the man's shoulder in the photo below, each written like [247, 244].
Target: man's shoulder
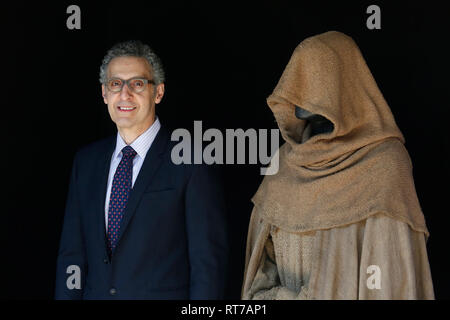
[97, 148]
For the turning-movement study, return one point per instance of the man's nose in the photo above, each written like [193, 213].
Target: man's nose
[125, 93]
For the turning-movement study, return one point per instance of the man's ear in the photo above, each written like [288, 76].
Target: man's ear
[104, 94]
[159, 93]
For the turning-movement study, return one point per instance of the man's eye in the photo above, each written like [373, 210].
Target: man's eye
[116, 83]
[138, 83]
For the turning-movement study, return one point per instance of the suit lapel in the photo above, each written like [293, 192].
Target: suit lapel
[151, 164]
[102, 173]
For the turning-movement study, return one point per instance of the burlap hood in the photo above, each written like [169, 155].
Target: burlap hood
[359, 169]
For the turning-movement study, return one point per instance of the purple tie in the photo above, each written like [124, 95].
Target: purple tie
[120, 191]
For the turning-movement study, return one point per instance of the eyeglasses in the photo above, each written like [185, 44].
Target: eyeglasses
[136, 85]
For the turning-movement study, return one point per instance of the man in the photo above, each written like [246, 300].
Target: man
[136, 225]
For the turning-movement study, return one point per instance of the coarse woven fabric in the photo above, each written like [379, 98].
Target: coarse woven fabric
[336, 179]
[339, 263]
[360, 169]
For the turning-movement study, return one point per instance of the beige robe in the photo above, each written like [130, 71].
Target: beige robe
[377, 258]
[341, 218]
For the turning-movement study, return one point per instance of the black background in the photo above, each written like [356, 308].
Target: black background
[222, 60]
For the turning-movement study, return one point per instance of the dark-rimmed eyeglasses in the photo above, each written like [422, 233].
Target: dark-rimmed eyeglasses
[136, 85]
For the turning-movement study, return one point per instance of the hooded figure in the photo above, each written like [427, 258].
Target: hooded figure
[341, 218]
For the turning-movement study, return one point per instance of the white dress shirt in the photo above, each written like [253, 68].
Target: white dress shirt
[141, 145]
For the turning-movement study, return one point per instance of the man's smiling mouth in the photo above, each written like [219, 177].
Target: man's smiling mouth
[126, 108]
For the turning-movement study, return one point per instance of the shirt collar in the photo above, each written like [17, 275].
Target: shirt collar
[141, 144]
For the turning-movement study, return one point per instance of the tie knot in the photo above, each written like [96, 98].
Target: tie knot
[128, 152]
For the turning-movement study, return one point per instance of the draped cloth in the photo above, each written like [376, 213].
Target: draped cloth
[337, 180]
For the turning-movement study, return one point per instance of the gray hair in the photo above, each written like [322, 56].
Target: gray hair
[133, 48]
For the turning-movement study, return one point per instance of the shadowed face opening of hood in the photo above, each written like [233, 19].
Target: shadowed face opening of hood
[316, 123]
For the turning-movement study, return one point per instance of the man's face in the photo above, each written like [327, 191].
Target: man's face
[142, 114]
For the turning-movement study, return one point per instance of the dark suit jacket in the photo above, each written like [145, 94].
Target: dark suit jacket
[173, 238]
